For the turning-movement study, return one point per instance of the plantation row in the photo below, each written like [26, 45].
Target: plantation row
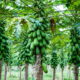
[39, 34]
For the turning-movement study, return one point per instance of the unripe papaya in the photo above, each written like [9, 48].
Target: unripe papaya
[38, 33]
[37, 51]
[32, 46]
[44, 42]
[42, 50]
[44, 67]
[39, 38]
[34, 34]
[36, 42]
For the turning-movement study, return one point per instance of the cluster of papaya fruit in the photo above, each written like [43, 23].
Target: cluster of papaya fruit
[54, 60]
[38, 39]
[4, 48]
[25, 53]
[75, 45]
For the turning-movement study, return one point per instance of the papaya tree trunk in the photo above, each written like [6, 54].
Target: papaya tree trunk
[5, 74]
[0, 69]
[38, 72]
[76, 71]
[26, 71]
[54, 74]
[10, 71]
[69, 72]
[62, 74]
[20, 73]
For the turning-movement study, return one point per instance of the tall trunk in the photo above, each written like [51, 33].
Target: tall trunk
[10, 70]
[5, 74]
[38, 72]
[76, 71]
[54, 74]
[62, 74]
[20, 73]
[26, 71]
[0, 69]
[69, 73]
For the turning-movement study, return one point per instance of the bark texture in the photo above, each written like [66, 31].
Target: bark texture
[10, 70]
[26, 71]
[5, 74]
[38, 72]
[62, 74]
[69, 73]
[54, 74]
[0, 69]
[20, 73]
[76, 72]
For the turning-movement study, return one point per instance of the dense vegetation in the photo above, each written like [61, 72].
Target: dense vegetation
[39, 39]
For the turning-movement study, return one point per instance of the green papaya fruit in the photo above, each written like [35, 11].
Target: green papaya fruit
[43, 34]
[77, 46]
[28, 45]
[41, 44]
[44, 42]
[35, 27]
[47, 37]
[44, 67]
[43, 50]
[29, 41]
[36, 42]
[42, 28]
[39, 38]
[74, 39]
[37, 51]
[30, 35]
[38, 33]
[32, 46]
[74, 48]
[34, 34]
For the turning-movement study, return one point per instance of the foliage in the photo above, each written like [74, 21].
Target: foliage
[75, 42]
[54, 60]
[63, 59]
[25, 56]
[4, 47]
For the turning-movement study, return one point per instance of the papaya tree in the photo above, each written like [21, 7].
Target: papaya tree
[75, 49]
[4, 48]
[63, 62]
[38, 41]
[38, 38]
[54, 63]
[25, 55]
[6, 58]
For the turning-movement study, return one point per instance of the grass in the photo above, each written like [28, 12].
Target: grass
[48, 76]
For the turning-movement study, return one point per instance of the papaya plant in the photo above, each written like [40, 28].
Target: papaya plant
[75, 48]
[25, 56]
[4, 48]
[63, 62]
[54, 63]
[38, 41]
[7, 58]
[39, 38]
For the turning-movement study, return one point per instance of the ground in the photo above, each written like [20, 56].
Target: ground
[48, 76]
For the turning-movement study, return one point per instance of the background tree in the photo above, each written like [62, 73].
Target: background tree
[63, 62]
[4, 48]
[75, 49]
[54, 63]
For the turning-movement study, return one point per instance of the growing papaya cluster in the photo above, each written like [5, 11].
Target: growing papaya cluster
[4, 47]
[75, 45]
[38, 39]
[54, 60]
[25, 54]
